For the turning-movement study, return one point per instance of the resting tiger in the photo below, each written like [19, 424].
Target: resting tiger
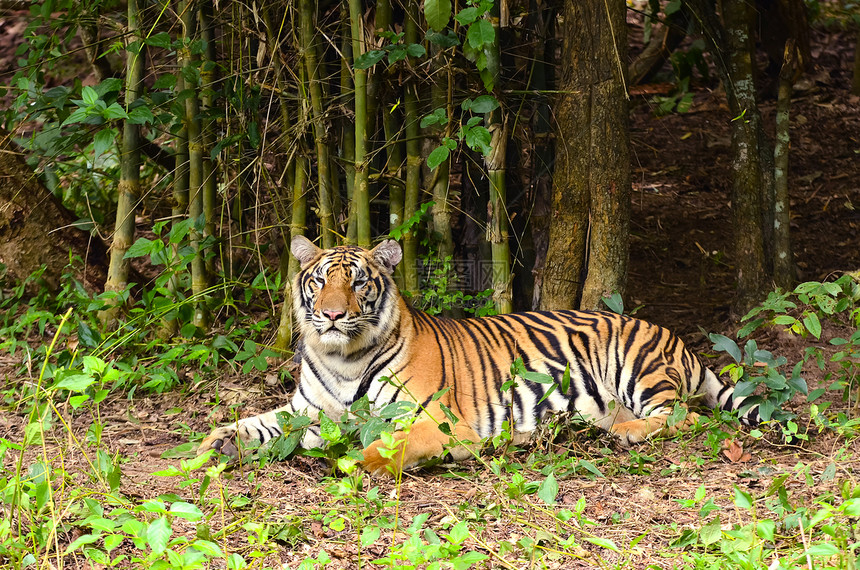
[358, 332]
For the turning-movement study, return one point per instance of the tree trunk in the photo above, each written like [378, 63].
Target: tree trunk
[783, 264]
[36, 230]
[747, 187]
[592, 184]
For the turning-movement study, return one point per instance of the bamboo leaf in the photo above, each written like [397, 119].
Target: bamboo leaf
[437, 13]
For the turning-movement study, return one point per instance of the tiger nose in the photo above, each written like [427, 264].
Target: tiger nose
[333, 315]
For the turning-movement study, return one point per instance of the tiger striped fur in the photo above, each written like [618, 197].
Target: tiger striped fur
[357, 330]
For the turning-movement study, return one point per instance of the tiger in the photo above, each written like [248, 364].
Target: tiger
[360, 337]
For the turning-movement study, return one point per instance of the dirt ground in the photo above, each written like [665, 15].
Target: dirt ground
[680, 274]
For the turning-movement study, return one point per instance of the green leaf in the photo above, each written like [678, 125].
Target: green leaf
[415, 50]
[157, 535]
[369, 535]
[766, 409]
[396, 409]
[329, 431]
[89, 95]
[604, 543]
[614, 302]
[447, 40]
[166, 81]
[77, 116]
[82, 540]
[437, 13]
[186, 511]
[711, 532]
[139, 248]
[590, 467]
[480, 33]
[766, 529]
[140, 115]
[548, 490]
[109, 85]
[103, 141]
[114, 112]
[725, 344]
[479, 138]
[437, 157]
[823, 549]
[161, 39]
[467, 15]
[743, 499]
[369, 59]
[208, 547]
[813, 325]
[72, 380]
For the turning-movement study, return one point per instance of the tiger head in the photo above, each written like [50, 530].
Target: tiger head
[344, 298]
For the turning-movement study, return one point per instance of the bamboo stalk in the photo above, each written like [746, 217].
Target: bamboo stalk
[128, 189]
[361, 192]
[348, 130]
[297, 228]
[306, 15]
[441, 95]
[413, 162]
[199, 278]
[208, 77]
[179, 209]
[497, 222]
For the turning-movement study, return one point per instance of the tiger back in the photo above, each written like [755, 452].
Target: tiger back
[361, 338]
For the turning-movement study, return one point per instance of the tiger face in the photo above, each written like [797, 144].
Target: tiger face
[342, 295]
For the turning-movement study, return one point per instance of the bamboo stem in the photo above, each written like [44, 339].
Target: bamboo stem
[169, 325]
[361, 192]
[413, 162]
[497, 222]
[307, 10]
[196, 176]
[128, 189]
[208, 77]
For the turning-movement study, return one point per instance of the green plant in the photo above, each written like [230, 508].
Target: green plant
[756, 368]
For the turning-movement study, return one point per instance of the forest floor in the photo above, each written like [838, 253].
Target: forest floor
[644, 500]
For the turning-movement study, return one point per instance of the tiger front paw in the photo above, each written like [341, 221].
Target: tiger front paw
[222, 440]
[375, 464]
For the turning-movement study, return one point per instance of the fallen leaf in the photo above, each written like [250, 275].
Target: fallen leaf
[734, 452]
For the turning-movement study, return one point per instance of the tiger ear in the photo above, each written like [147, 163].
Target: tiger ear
[387, 254]
[304, 250]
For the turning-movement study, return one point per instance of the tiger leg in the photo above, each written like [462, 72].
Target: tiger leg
[636, 431]
[225, 439]
[424, 440]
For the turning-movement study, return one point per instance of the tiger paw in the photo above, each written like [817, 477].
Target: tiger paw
[375, 464]
[222, 440]
[631, 432]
